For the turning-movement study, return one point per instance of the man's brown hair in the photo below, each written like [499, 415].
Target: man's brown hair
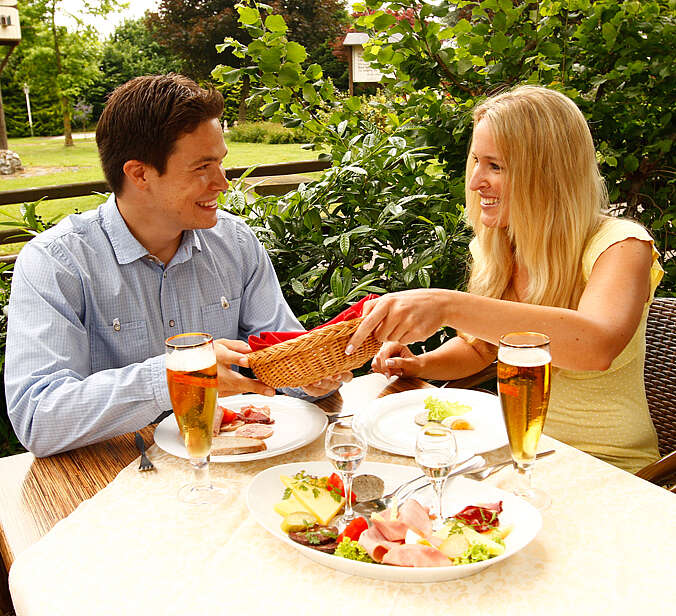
[144, 117]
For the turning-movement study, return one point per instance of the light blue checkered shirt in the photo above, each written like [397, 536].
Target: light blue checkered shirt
[90, 310]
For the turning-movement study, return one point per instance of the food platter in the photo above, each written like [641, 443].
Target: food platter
[266, 489]
[389, 423]
[297, 423]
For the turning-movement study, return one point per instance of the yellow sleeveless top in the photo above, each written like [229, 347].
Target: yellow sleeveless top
[605, 413]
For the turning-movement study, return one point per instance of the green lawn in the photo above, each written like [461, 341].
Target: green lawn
[48, 162]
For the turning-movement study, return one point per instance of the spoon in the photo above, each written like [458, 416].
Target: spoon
[474, 468]
[366, 508]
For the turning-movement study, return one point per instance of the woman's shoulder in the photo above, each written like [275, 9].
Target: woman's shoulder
[613, 230]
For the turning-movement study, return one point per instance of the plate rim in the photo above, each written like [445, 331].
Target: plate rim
[258, 455]
[413, 395]
[391, 574]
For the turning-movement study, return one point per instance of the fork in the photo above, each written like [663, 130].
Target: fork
[146, 464]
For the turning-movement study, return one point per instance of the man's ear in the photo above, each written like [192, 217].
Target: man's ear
[137, 173]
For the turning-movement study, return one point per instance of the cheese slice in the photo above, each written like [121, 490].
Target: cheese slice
[322, 504]
[289, 505]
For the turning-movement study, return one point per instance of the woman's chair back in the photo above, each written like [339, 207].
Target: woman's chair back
[660, 371]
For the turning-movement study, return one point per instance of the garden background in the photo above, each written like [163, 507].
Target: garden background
[388, 213]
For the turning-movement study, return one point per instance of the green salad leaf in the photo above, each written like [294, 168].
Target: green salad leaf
[438, 410]
[352, 550]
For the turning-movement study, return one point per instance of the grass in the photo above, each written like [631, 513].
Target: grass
[48, 162]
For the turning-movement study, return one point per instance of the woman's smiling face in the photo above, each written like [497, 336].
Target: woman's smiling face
[488, 177]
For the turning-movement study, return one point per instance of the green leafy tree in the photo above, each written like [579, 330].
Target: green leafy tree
[440, 61]
[61, 59]
[193, 29]
[129, 52]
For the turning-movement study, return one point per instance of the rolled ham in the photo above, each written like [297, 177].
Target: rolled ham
[416, 517]
[375, 544]
[218, 418]
[415, 555]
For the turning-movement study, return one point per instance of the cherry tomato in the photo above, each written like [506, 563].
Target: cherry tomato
[354, 529]
[228, 416]
[335, 484]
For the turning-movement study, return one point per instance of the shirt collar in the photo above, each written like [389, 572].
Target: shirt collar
[127, 248]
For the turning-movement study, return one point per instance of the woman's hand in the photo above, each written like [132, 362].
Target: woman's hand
[230, 382]
[404, 317]
[327, 384]
[394, 359]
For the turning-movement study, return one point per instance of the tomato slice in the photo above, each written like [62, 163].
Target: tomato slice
[228, 416]
[335, 484]
[354, 529]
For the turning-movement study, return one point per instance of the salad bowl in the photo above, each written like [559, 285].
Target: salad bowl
[525, 521]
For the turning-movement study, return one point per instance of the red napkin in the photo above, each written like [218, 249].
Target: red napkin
[267, 339]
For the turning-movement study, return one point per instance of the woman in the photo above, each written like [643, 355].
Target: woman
[544, 259]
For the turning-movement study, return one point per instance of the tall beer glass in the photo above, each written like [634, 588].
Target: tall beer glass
[524, 371]
[193, 389]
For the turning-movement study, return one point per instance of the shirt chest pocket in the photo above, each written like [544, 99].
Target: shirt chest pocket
[119, 344]
[221, 320]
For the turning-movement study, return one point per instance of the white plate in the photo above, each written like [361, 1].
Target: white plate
[265, 490]
[389, 422]
[297, 423]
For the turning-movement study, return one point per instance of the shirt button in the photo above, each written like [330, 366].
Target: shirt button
[172, 323]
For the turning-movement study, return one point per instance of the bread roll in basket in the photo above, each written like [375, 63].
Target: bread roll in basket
[313, 356]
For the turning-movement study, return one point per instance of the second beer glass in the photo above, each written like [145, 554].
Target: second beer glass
[193, 389]
[524, 373]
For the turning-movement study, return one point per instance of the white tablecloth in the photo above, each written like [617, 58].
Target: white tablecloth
[607, 546]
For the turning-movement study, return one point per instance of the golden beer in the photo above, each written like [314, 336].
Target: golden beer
[524, 382]
[193, 389]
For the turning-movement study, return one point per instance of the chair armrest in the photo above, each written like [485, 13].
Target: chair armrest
[662, 472]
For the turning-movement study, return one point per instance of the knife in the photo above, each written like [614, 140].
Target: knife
[496, 466]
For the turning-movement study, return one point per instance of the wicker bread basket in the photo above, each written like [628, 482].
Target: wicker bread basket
[312, 356]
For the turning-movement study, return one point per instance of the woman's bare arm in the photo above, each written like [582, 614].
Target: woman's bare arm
[588, 338]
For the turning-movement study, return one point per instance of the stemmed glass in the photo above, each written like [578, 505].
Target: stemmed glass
[346, 448]
[435, 453]
[193, 389]
[524, 371]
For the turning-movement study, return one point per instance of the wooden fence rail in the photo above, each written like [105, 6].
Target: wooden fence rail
[82, 189]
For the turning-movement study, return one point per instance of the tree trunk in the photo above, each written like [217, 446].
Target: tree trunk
[67, 128]
[241, 115]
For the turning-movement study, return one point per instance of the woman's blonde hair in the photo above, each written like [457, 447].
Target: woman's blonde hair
[555, 195]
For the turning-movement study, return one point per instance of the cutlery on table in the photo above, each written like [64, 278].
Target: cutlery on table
[146, 464]
[474, 468]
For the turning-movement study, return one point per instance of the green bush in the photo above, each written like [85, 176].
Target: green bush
[614, 59]
[265, 132]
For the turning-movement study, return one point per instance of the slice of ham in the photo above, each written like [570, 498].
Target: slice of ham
[392, 530]
[415, 555]
[375, 544]
[254, 430]
[416, 517]
[218, 418]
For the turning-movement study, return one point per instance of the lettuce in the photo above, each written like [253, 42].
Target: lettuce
[438, 410]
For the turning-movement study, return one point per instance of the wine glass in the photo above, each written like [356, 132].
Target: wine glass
[524, 371]
[193, 389]
[346, 448]
[435, 453]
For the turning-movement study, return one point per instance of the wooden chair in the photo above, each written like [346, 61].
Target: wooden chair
[660, 385]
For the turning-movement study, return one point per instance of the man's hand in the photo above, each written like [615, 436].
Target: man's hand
[327, 384]
[229, 352]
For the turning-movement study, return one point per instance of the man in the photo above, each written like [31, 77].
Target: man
[94, 298]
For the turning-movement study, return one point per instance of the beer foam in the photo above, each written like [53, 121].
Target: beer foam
[191, 360]
[526, 358]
